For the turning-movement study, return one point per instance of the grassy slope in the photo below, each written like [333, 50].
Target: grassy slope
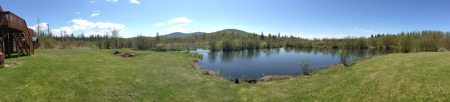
[395, 77]
[97, 75]
[86, 75]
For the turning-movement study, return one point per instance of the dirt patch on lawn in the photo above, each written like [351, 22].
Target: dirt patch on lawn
[10, 64]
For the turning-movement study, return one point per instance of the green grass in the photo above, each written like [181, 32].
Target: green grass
[97, 75]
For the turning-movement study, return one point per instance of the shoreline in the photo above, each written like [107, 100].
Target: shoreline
[265, 78]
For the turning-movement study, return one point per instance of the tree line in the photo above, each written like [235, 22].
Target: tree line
[232, 39]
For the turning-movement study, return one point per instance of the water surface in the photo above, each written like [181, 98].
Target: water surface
[253, 64]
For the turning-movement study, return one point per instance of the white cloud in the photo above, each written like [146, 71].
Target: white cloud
[159, 24]
[113, 1]
[42, 26]
[177, 29]
[175, 21]
[180, 20]
[95, 13]
[135, 2]
[178, 24]
[89, 28]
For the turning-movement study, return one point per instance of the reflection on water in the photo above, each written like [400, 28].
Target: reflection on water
[280, 61]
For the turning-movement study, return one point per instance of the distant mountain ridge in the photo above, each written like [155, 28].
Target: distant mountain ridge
[180, 34]
[227, 31]
[232, 31]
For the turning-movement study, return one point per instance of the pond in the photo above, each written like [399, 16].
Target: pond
[253, 64]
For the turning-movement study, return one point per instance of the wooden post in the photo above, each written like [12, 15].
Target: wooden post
[8, 46]
[2, 59]
[3, 42]
[16, 43]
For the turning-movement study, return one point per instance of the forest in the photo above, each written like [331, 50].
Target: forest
[233, 39]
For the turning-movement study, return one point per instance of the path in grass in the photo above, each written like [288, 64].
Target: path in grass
[97, 75]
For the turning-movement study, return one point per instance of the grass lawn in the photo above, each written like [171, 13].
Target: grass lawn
[98, 75]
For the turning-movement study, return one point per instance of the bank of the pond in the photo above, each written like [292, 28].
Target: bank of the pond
[266, 78]
[98, 75]
[255, 64]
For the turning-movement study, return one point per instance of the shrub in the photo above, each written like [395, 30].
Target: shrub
[304, 67]
[48, 43]
[227, 45]
[344, 57]
[160, 47]
[213, 46]
[442, 50]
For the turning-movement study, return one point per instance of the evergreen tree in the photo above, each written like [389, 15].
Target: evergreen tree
[262, 36]
[157, 37]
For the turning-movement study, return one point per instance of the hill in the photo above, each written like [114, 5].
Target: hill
[180, 34]
[225, 32]
[235, 31]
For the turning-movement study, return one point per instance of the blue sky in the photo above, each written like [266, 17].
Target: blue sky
[305, 18]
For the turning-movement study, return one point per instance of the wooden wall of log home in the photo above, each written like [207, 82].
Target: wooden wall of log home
[15, 36]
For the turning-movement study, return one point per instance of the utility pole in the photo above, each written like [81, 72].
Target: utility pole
[61, 36]
[48, 30]
[39, 27]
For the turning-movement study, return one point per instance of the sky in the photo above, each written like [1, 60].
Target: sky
[304, 18]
